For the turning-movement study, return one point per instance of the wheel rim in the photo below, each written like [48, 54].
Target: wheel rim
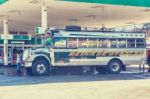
[115, 67]
[41, 68]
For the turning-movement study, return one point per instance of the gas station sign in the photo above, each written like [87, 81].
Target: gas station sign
[8, 36]
[38, 30]
[16, 37]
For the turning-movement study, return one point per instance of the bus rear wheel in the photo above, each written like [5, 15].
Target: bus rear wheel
[40, 68]
[114, 66]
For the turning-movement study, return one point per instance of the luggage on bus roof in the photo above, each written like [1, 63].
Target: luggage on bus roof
[73, 28]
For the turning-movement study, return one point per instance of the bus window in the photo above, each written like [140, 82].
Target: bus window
[92, 43]
[60, 42]
[122, 43]
[140, 43]
[82, 43]
[102, 43]
[48, 41]
[113, 43]
[131, 43]
[72, 43]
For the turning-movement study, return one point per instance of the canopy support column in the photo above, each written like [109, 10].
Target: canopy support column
[5, 30]
[44, 20]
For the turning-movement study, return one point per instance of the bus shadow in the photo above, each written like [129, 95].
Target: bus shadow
[72, 76]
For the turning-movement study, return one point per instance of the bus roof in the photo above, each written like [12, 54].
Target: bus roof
[63, 33]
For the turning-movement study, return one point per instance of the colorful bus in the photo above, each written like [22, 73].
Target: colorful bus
[111, 51]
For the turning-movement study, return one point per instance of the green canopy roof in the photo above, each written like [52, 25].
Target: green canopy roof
[2, 1]
[139, 3]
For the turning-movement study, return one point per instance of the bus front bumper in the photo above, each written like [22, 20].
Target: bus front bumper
[27, 64]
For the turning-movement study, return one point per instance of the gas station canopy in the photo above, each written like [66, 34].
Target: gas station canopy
[140, 3]
[3, 1]
[25, 15]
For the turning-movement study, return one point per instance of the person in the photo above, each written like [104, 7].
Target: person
[49, 39]
[18, 62]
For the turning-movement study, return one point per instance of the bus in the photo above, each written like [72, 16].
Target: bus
[110, 51]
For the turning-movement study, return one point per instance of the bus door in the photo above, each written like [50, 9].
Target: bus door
[16, 47]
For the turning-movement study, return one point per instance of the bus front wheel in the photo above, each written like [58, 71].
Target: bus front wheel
[114, 66]
[40, 68]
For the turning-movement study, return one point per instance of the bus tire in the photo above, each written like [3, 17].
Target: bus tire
[40, 68]
[114, 66]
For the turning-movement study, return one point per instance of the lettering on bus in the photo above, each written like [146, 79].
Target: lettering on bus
[104, 53]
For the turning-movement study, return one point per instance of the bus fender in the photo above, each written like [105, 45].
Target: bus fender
[42, 57]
